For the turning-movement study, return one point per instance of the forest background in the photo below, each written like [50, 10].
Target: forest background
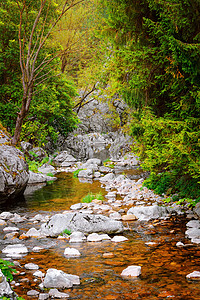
[146, 52]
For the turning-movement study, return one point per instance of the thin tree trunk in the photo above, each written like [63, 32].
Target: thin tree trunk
[18, 127]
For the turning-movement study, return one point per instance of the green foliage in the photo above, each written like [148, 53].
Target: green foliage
[171, 183]
[34, 164]
[75, 173]
[52, 113]
[108, 163]
[89, 197]
[154, 59]
[7, 270]
[51, 106]
[66, 232]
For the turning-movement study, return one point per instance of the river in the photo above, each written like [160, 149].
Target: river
[164, 265]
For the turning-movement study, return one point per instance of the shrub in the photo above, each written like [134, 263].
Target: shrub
[7, 270]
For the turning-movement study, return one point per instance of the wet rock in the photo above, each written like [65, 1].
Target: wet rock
[32, 293]
[195, 240]
[17, 219]
[108, 255]
[88, 173]
[10, 228]
[193, 233]
[129, 218]
[71, 252]
[77, 237]
[59, 279]
[37, 249]
[31, 266]
[87, 223]
[131, 271]
[76, 206]
[6, 215]
[47, 169]
[194, 275]
[115, 216]
[39, 178]
[107, 177]
[11, 235]
[43, 296]
[146, 213]
[15, 249]
[179, 244]
[32, 232]
[193, 224]
[5, 289]
[93, 237]
[54, 293]
[39, 218]
[119, 238]
[38, 274]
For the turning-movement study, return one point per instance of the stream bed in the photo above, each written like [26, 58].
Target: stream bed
[151, 245]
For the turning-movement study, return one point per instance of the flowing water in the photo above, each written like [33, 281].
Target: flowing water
[164, 265]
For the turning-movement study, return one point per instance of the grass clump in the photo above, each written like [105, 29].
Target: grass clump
[90, 196]
[66, 232]
[75, 173]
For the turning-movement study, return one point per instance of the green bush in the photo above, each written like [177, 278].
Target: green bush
[7, 270]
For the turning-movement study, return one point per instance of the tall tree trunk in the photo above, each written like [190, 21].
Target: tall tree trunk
[22, 114]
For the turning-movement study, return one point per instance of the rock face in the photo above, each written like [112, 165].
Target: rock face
[14, 173]
[87, 223]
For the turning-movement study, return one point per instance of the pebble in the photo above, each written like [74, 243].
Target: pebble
[31, 266]
[7, 229]
[15, 249]
[38, 274]
[94, 237]
[194, 275]
[108, 255]
[131, 271]
[129, 218]
[32, 293]
[43, 296]
[119, 238]
[71, 252]
[54, 293]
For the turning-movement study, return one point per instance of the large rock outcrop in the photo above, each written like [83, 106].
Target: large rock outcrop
[86, 223]
[14, 172]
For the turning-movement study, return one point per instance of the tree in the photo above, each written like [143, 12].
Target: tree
[154, 51]
[37, 19]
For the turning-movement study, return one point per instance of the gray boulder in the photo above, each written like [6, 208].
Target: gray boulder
[39, 178]
[64, 159]
[14, 172]
[58, 279]
[146, 213]
[76, 221]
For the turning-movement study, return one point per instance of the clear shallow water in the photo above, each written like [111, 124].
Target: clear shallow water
[164, 266]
